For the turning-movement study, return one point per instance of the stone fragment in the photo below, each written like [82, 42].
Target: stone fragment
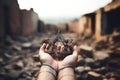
[86, 51]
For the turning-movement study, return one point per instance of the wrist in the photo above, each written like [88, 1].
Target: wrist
[66, 68]
[45, 68]
[66, 73]
[46, 72]
[51, 64]
[48, 67]
[69, 69]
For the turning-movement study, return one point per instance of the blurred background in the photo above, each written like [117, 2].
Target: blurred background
[92, 24]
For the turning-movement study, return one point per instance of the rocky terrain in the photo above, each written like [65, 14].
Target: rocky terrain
[97, 60]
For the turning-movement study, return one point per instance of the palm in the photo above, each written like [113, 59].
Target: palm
[69, 60]
[48, 59]
[45, 58]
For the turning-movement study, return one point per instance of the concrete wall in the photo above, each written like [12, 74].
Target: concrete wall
[14, 21]
[113, 5]
[29, 22]
[73, 26]
[9, 18]
[88, 31]
[41, 26]
[62, 27]
[50, 28]
[15, 25]
[98, 24]
[107, 20]
[2, 30]
[85, 25]
[82, 24]
[103, 22]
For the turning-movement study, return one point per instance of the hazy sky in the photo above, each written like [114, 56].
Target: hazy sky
[62, 8]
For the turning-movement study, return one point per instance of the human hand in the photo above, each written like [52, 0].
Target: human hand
[69, 60]
[46, 58]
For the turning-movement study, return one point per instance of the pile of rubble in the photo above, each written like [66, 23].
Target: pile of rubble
[97, 61]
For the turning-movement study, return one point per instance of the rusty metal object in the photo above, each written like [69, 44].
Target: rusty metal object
[59, 39]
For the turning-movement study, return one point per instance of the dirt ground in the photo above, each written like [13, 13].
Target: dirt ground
[97, 60]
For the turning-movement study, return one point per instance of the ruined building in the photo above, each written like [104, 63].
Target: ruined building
[100, 23]
[9, 17]
[107, 19]
[14, 21]
[29, 22]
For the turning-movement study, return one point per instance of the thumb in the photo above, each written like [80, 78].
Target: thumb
[75, 52]
[42, 48]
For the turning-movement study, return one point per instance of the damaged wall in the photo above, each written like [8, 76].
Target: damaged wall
[29, 22]
[87, 24]
[109, 22]
[16, 22]
[10, 18]
[103, 21]
[98, 26]
[62, 27]
[50, 28]
[84, 26]
[113, 20]
[2, 30]
[73, 26]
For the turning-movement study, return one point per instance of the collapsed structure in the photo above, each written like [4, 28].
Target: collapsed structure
[100, 23]
[14, 21]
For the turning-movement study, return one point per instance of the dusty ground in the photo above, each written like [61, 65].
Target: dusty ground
[97, 61]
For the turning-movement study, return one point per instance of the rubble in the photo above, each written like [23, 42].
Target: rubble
[100, 55]
[94, 74]
[26, 45]
[86, 51]
[96, 34]
[21, 61]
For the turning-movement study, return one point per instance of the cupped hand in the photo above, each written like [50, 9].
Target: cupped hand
[69, 60]
[46, 58]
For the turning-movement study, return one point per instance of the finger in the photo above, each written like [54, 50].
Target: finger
[75, 52]
[62, 47]
[71, 46]
[42, 48]
[58, 47]
[47, 47]
[55, 46]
